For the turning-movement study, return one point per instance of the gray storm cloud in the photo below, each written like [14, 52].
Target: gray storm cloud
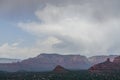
[103, 9]
[87, 27]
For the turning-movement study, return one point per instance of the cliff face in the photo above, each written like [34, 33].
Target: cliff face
[98, 59]
[47, 62]
[106, 66]
[117, 60]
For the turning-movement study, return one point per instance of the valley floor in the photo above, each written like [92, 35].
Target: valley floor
[72, 75]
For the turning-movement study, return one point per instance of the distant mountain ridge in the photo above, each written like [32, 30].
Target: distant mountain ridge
[47, 62]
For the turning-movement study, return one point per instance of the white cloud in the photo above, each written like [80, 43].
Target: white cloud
[76, 29]
[13, 51]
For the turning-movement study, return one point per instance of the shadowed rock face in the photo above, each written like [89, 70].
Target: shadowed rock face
[106, 66]
[117, 60]
[98, 59]
[47, 62]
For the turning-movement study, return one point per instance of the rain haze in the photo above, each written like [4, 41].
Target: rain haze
[85, 27]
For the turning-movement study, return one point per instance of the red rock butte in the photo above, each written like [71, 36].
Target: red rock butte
[106, 66]
[117, 60]
[60, 69]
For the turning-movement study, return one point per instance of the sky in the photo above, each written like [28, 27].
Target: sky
[86, 27]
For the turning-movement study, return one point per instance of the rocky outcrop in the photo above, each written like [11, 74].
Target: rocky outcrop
[106, 66]
[117, 60]
[60, 69]
[98, 59]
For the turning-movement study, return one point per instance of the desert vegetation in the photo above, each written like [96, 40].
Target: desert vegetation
[71, 75]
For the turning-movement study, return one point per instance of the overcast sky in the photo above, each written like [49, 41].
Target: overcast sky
[85, 27]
